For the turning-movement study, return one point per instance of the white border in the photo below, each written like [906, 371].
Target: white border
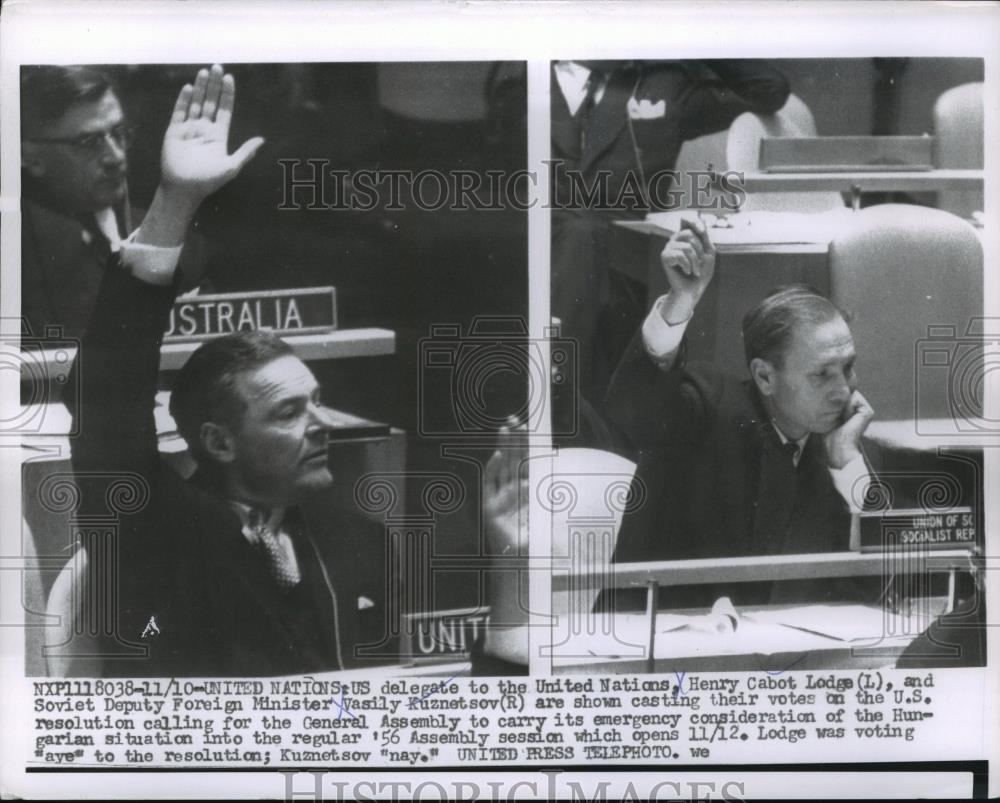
[203, 32]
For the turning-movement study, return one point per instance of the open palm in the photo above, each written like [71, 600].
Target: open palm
[195, 158]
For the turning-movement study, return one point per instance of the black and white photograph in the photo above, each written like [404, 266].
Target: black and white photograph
[774, 271]
[575, 400]
[262, 268]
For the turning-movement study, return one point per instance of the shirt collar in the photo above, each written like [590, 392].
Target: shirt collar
[107, 224]
[275, 517]
[800, 443]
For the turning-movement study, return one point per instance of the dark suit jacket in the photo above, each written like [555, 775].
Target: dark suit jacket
[63, 258]
[700, 98]
[180, 555]
[705, 449]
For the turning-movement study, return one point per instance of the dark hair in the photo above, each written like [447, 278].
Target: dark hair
[48, 91]
[768, 327]
[205, 387]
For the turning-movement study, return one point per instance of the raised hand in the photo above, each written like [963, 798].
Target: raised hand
[505, 495]
[195, 160]
[688, 262]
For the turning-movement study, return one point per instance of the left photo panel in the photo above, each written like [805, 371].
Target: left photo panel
[275, 369]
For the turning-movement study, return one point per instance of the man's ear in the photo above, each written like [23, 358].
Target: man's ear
[763, 375]
[218, 442]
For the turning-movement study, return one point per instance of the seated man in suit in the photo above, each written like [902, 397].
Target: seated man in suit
[218, 575]
[773, 465]
[75, 205]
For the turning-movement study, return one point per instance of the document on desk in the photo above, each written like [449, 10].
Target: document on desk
[756, 228]
[845, 623]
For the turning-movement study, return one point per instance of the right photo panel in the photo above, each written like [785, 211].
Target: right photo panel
[773, 272]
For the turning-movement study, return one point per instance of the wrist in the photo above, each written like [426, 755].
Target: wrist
[677, 308]
[176, 201]
[838, 458]
[166, 223]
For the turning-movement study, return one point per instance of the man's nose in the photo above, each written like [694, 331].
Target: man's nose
[321, 418]
[844, 388]
[112, 151]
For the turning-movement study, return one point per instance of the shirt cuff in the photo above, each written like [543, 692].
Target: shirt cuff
[660, 338]
[852, 483]
[150, 263]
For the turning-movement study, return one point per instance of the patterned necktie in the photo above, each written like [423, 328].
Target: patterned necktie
[284, 571]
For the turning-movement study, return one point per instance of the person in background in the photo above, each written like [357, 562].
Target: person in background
[75, 138]
[617, 128]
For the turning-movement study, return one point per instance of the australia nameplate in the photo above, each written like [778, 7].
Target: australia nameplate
[287, 312]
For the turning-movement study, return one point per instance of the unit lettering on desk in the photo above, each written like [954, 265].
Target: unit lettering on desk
[443, 635]
[294, 311]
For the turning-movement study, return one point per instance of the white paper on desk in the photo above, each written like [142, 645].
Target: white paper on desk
[722, 619]
[843, 622]
[760, 228]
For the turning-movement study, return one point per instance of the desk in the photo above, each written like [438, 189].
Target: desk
[759, 644]
[772, 637]
[865, 181]
[340, 344]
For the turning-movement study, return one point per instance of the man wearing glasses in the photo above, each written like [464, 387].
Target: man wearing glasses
[75, 205]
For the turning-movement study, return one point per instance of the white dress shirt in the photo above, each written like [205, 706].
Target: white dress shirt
[572, 79]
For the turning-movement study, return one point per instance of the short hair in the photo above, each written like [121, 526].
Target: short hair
[768, 327]
[48, 91]
[205, 388]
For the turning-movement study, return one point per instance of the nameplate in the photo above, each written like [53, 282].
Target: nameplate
[845, 154]
[918, 529]
[286, 312]
[443, 634]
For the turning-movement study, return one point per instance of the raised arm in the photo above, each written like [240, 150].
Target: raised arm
[648, 397]
[727, 88]
[116, 371]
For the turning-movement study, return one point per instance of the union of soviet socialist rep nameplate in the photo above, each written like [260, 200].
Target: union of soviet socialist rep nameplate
[305, 310]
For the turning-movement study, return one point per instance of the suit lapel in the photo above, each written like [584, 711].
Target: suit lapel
[565, 133]
[241, 581]
[608, 118]
[326, 598]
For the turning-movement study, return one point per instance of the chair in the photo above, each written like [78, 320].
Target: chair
[69, 650]
[743, 154]
[901, 269]
[587, 492]
[958, 143]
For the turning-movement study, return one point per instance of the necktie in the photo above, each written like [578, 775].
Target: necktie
[266, 540]
[595, 81]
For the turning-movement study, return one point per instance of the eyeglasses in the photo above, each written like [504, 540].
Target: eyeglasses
[92, 145]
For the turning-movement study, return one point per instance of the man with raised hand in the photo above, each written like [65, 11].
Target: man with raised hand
[771, 465]
[219, 574]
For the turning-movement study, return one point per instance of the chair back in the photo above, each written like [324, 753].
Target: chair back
[958, 143]
[910, 275]
[587, 492]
